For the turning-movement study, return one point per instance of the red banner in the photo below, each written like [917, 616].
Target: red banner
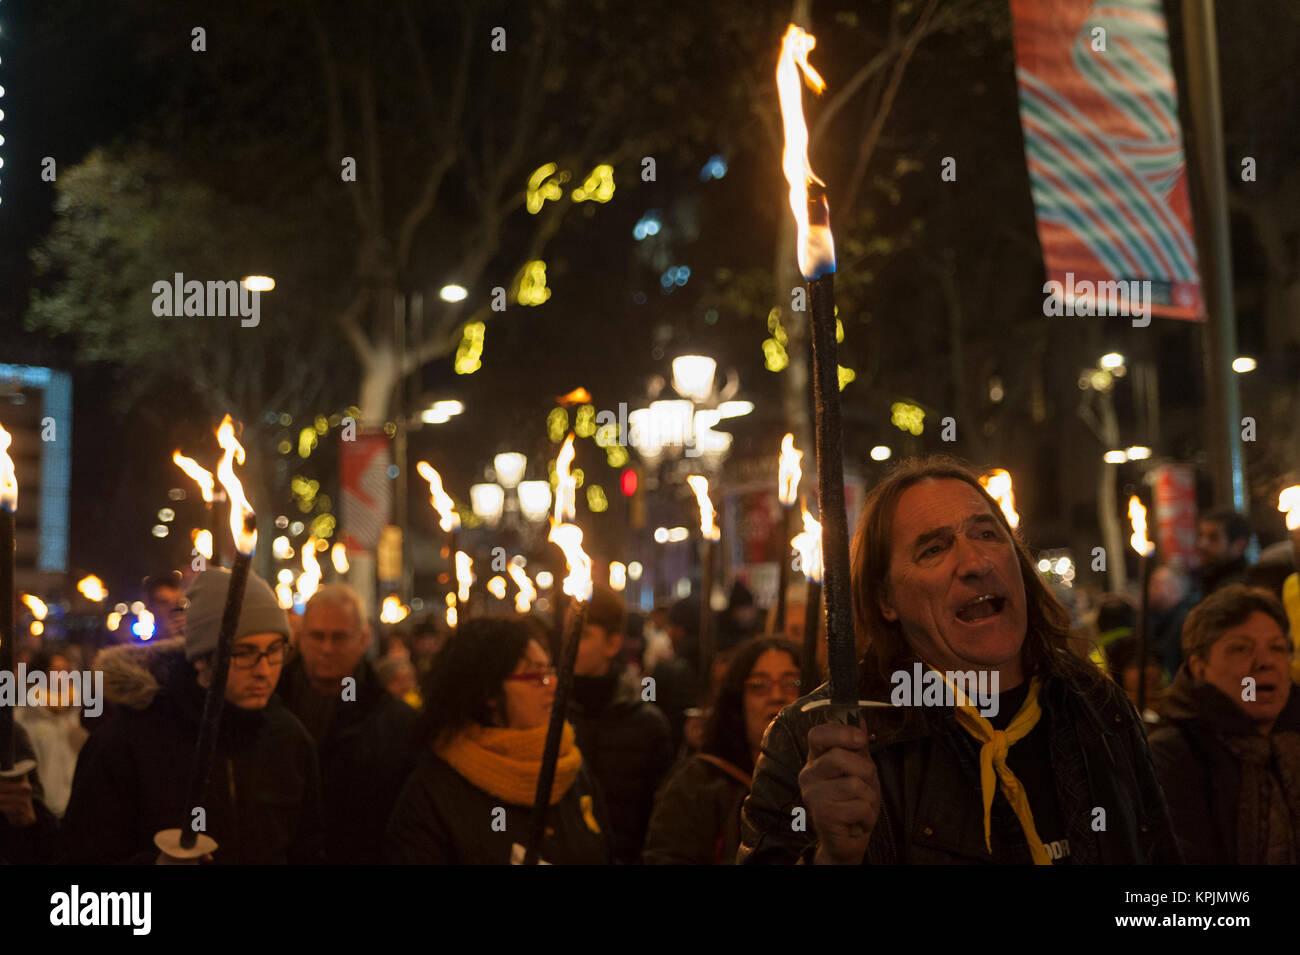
[366, 488]
[1174, 496]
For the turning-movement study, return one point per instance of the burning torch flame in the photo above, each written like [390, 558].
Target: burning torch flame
[566, 485]
[464, 575]
[339, 554]
[92, 588]
[578, 396]
[816, 247]
[808, 544]
[202, 542]
[200, 476]
[448, 520]
[790, 471]
[998, 483]
[568, 537]
[243, 522]
[1288, 502]
[309, 579]
[36, 605]
[393, 610]
[1137, 515]
[700, 485]
[527, 592]
[8, 478]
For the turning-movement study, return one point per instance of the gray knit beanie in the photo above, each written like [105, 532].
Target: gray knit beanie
[260, 612]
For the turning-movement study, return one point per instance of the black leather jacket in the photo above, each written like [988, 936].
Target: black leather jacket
[931, 811]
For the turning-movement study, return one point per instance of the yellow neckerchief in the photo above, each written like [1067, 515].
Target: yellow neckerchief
[506, 762]
[993, 761]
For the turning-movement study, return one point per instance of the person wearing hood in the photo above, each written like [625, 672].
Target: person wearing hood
[363, 733]
[625, 741]
[470, 799]
[262, 805]
[1228, 754]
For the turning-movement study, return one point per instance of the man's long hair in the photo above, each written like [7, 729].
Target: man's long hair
[881, 641]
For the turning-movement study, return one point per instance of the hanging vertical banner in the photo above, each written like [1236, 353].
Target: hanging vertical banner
[1174, 496]
[1099, 109]
[367, 489]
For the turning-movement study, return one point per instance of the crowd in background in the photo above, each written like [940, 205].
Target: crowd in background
[414, 745]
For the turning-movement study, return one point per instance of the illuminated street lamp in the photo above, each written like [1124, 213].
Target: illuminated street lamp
[452, 293]
[534, 499]
[693, 376]
[488, 501]
[510, 467]
[258, 283]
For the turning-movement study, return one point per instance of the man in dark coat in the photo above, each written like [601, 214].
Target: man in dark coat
[625, 741]
[363, 733]
[262, 804]
[27, 827]
[942, 583]
[1221, 540]
[1228, 753]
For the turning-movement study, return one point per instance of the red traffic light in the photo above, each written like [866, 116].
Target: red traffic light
[628, 482]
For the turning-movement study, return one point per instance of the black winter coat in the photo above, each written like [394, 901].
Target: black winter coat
[696, 817]
[931, 811]
[365, 757]
[1200, 775]
[627, 745]
[441, 818]
[34, 844]
[263, 799]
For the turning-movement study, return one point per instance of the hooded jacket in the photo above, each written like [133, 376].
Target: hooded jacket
[928, 769]
[365, 756]
[627, 745]
[263, 799]
[1201, 776]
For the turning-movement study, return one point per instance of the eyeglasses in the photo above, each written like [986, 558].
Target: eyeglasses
[758, 685]
[247, 658]
[541, 677]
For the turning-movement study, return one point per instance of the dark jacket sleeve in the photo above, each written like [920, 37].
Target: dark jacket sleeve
[34, 844]
[417, 833]
[99, 825]
[1166, 851]
[771, 832]
[1184, 779]
[308, 846]
[682, 830]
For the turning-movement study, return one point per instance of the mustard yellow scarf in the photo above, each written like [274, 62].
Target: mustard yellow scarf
[994, 769]
[506, 762]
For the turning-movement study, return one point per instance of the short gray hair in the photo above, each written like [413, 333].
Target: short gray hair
[341, 595]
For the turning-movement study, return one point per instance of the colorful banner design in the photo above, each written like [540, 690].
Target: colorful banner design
[1099, 109]
[367, 489]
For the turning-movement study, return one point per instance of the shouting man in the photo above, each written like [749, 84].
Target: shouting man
[1057, 772]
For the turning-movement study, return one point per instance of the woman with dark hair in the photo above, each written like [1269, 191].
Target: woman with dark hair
[696, 819]
[469, 801]
[1228, 755]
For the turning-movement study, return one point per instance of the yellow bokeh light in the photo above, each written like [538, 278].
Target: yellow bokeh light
[846, 375]
[542, 188]
[774, 355]
[532, 284]
[596, 499]
[907, 417]
[616, 456]
[557, 425]
[470, 352]
[306, 442]
[584, 425]
[598, 187]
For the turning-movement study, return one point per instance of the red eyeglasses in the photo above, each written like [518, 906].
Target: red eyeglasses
[541, 677]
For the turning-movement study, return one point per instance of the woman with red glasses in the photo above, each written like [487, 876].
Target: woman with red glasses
[696, 819]
[469, 800]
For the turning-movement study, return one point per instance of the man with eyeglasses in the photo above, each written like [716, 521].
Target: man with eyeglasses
[363, 733]
[262, 803]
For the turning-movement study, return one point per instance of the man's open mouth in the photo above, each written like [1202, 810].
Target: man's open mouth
[981, 608]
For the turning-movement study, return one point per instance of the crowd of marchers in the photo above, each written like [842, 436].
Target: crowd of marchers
[422, 746]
